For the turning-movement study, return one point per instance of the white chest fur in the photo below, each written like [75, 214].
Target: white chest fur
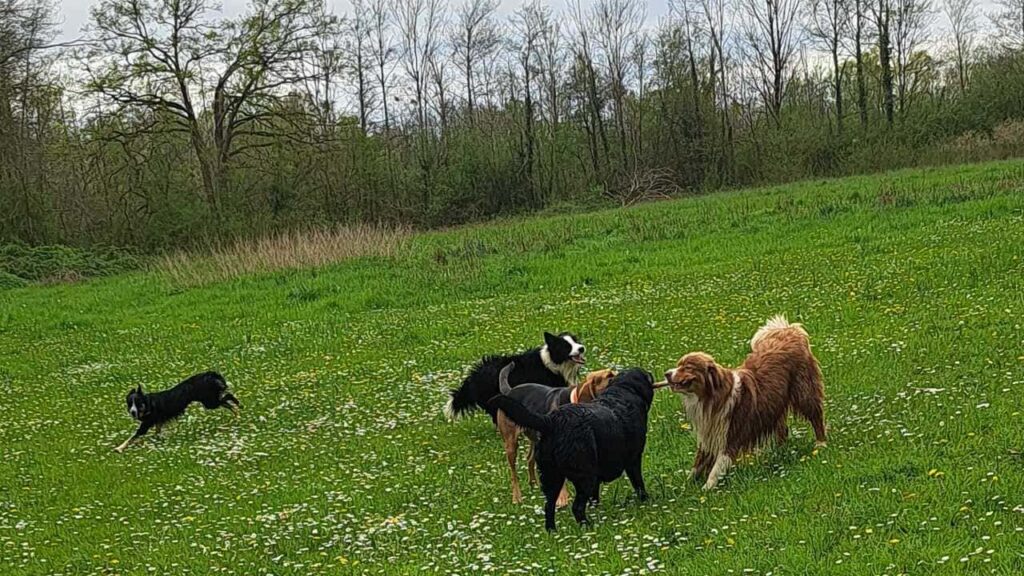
[570, 371]
[712, 427]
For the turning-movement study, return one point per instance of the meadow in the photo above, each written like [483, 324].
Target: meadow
[911, 285]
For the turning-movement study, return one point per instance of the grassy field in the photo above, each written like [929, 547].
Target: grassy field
[911, 285]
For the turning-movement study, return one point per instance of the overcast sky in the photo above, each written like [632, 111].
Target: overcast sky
[75, 13]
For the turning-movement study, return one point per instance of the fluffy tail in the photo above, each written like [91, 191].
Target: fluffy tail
[503, 384]
[521, 415]
[774, 324]
[461, 402]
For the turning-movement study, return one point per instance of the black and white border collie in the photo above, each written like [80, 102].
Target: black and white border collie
[158, 408]
[556, 363]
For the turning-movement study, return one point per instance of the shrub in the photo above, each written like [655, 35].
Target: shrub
[8, 280]
[57, 263]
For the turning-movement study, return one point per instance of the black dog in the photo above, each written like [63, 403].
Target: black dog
[556, 364]
[159, 408]
[591, 443]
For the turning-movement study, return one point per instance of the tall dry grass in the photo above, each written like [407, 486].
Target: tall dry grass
[284, 251]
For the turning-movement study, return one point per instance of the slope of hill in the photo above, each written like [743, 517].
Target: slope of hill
[911, 285]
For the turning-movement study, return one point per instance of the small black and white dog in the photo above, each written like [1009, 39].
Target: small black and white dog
[156, 409]
[556, 363]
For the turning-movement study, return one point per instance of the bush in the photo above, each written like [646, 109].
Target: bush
[8, 281]
[48, 264]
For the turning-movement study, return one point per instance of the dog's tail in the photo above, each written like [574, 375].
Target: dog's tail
[521, 415]
[461, 401]
[503, 384]
[774, 324]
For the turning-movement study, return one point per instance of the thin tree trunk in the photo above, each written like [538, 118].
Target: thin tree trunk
[862, 90]
[838, 72]
[885, 59]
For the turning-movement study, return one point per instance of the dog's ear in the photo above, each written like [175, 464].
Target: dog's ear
[550, 338]
[584, 391]
[139, 389]
[712, 374]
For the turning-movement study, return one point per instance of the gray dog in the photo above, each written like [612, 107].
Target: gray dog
[541, 399]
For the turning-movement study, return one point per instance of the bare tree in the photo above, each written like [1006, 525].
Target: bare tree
[527, 26]
[170, 57]
[686, 12]
[963, 20]
[618, 24]
[642, 46]
[382, 53]
[911, 27]
[359, 39]
[770, 31]
[882, 11]
[828, 24]
[26, 26]
[475, 38]
[321, 66]
[420, 26]
[27, 100]
[551, 67]
[1009, 22]
[859, 23]
[581, 42]
[440, 78]
[717, 26]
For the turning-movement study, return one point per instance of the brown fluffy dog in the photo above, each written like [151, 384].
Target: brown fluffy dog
[733, 410]
[545, 399]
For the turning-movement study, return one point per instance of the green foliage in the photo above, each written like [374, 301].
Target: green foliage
[8, 280]
[21, 263]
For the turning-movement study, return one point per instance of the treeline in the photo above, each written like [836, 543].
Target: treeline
[169, 125]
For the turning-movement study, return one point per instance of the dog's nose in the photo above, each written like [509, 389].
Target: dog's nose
[668, 374]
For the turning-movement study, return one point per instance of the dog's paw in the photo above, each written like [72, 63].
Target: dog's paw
[820, 444]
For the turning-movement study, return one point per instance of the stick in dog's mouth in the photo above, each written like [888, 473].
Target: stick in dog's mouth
[662, 384]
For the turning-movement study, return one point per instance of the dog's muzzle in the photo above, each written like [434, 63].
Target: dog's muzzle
[683, 386]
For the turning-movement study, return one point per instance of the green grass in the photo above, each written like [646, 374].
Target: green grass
[911, 285]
